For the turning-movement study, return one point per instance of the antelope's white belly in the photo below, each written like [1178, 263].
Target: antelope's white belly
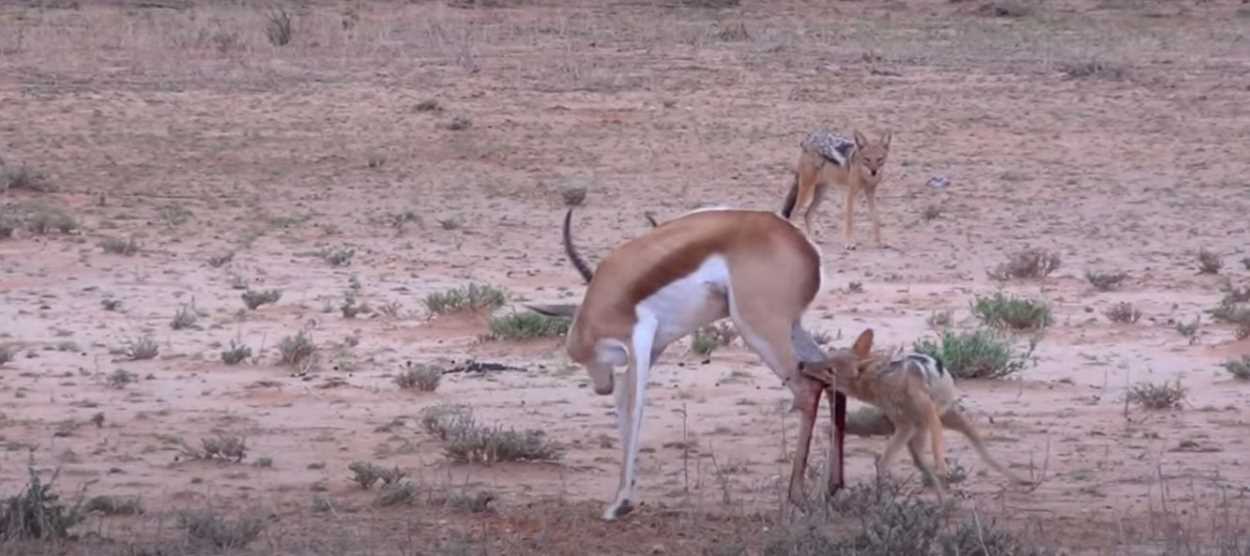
[689, 302]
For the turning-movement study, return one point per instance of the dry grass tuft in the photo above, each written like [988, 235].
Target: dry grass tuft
[366, 474]
[1027, 264]
[118, 246]
[139, 349]
[278, 27]
[425, 378]
[573, 196]
[1005, 8]
[978, 354]
[253, 299]
[236, 353]
[1016, 313]
[114, 505]
[1105, 281]
[206, 527]
[1123, 313]
[468, 298]
[527, 326]
[223, 447]
[296, 350]
[1094, 69]
[468, 441]
[1157, 396]
[25, 178]
[1239, 368]
[1209, 262]
[37, 513]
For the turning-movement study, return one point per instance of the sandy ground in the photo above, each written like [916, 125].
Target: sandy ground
[182, 127]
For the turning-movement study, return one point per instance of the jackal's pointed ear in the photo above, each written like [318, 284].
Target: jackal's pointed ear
[860, 140]
[885, 139]
[863, 345]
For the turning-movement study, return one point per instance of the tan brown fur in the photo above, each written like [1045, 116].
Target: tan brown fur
[771, 272]
[863, 172]
[917, 408]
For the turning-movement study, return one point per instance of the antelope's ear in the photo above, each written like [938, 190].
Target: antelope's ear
[565, 310]
[863, 344]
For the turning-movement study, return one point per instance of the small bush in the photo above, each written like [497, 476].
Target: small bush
[492, 444]
[1190, 329]
[118, 246]
[25, 178]
[142, 348]
[1240, 369]
[471, 442]
[111, 304]
[931, 213]
[1209, 262]
[1027, 264]
[1123, 312]
[6, 354]
[236, 353]
[37, 513]
[1094, 69]
[528, 325]
[1016, 313]
[979, 354]
[890, 521]
[278, 27]
[218, 261]
[421, 377]
[211, 528]
[429, 105]
[1105, 281]
[8, 225]
[253, 299]
[440, 420]
[174, 215]
[297, 349]
[121, 377]
[186, 317]
[1245, 261]
[707, 339]
[114, 505]
[1157, 396]
[458, 123]
[733, 32]
[37, 218]
[1005, 8]
[223, 446]
[573, 196]
[469, 298]
[394, 495]
[716, 4]
[366, 474]
[350, 308]
[341, 256]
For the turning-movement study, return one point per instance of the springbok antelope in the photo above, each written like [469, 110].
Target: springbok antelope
[825, 160]
[752, 266]
[917, 396]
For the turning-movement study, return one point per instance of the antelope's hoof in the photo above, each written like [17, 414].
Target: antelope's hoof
[618, 509]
